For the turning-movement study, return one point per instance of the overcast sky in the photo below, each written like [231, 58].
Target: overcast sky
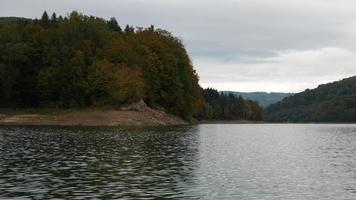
[240, 45]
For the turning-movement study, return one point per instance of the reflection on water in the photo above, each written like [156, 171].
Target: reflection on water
[227, 161]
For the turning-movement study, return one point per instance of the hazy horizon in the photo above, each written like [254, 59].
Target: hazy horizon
[245, 46]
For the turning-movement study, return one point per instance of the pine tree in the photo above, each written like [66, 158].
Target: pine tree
[113, 25]
[45, 20]
[54, 18]
[129, 29]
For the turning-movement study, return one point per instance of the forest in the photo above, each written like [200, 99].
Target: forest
[332, 102]
[80, 61]
[222, 106]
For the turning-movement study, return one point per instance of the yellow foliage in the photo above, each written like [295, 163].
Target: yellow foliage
[127, 85]
[115, 83]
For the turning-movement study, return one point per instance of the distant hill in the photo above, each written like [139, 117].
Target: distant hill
[263, 98]
[12, 20]
[332, 102]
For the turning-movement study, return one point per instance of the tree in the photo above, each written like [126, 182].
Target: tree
[114, 84]
[75, 87]
[127, 86]
[129, 29]
[8, 76]
[53, 18]
[114, 25]
[101, 76]
[45, 20]
[65, 86]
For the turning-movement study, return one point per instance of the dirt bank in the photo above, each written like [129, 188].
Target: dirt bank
[231, 122]
[137, 114]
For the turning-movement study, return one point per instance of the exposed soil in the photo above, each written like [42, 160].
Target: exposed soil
[137, 114]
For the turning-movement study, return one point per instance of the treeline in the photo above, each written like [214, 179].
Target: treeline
[221, 106]
[80, 61]
[332, 102]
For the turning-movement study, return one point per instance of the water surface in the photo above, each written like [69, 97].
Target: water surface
[211, 161]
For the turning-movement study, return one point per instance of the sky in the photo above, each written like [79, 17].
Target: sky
[238, 45]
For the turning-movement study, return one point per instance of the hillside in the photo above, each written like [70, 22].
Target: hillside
[79, 61]
[263, 98]
[13, 20]
[332, 102]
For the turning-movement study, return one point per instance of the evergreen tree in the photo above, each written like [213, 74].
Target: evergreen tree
[114, 25]
[129, 29]
[53, 18]
[45, 20]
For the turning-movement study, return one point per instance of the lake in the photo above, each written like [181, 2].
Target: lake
[210, 161]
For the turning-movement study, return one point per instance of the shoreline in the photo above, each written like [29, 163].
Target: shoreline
[231, 122]
[132, 115]
[266, 122]
[109, 117]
